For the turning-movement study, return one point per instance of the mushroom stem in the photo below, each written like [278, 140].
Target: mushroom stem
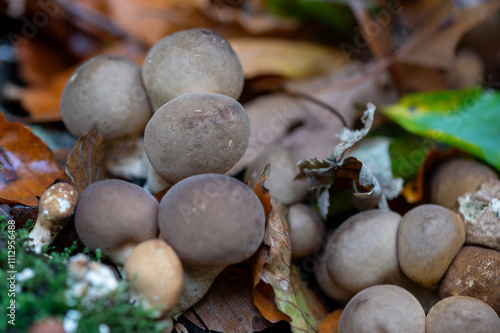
[126, 158]
[197, 281]
[154, 183]
[55, 207]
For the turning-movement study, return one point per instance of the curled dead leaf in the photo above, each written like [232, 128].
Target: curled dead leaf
[27, 166]
[86, 162]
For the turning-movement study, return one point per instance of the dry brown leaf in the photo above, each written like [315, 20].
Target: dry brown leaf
[277, 293]
[439, 51]
[150, 20]
[288, 58]
[86, 162]
[330, 323]
[27, 165]
[228, 306]
[42, 102]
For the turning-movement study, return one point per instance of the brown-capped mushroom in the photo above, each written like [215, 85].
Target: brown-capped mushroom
[474, 272]
[281, 183]
[211, 221]
[382, 309]
[55, 207]
[196, 133]
[114, 216]
[154, 272]
[195, 60]
[456, 177]
[462, 314]
[362, 252]
[307, 230]
[429, 237]
[106, 92]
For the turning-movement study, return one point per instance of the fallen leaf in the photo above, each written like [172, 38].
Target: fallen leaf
[151, 20]
[228, 305]
[466, 119]
[86, 162]
[276, 292]
[439, 51]
[42, 102]
[330, 323]
[288, 58]
[27, 166]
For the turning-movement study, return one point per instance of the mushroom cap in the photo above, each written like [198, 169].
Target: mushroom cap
[212, 220]
[462, 314]
[115, 215]
[383, 309]
[195, 60]
[155, 274]
[474, 272]
[456, 177]
[328, 286]
[429, 237]
[362, 252]
[196, 133]
[281, 183]
[307, 230]
[106, 92]
[57, 202]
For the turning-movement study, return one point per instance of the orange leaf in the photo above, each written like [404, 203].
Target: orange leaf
[262, 192]
[86, 162]
[231, 290]
[27, 165]
[42, 103]
[330, 323]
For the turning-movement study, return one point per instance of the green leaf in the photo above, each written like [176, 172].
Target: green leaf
[466, 119]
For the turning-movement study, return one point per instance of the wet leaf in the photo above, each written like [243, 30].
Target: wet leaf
[27, 165]
[86, 163]
[277, 292]
[288, 58]
[466, 119]
[228, 306]
[330, 323]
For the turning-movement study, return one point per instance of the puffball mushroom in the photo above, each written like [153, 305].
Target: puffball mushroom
[211, 221]
[196, 133]
[429, 237]
[362, 252]
[195, 60]
[462, 314]
[474, 272]
[154, 272]
[307, 230]
[281, 183]
[456, 177]
[382, 309]
[114, 216]
[55, 207]
[106, 92]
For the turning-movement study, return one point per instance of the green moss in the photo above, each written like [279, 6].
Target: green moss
[42, 296]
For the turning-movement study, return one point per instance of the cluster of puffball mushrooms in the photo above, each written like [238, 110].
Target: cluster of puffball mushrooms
[388, 269]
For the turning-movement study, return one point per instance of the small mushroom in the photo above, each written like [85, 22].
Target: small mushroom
[383, 309]
[362, 252]
[307, 230]
[429, 237]
[281, 183]
[196, 133]
[55, 207]
[114, 216]
[462, 314]
[474, 272]
[47, 325]
[211, 221]
[480, 211]
[456, 177]
[195, 60]
[106, 92]
[154, 271]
